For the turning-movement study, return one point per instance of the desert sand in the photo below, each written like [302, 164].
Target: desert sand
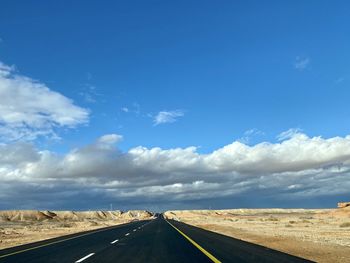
[321, 235]
[19, 227]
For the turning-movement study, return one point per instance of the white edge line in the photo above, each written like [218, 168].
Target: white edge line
[115, 241]
[82, 259]
[127, 234]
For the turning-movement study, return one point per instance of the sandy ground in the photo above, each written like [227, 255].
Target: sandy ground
[22, 227]
[318, 235]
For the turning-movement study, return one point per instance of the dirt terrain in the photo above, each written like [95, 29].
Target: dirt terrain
[19, 227]
[320, 235]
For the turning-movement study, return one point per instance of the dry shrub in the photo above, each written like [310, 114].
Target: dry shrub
[346, 224]
[306, 217]
[93, 223]
[272, 219]
[66, 225]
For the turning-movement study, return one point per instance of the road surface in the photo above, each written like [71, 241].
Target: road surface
[155, 240]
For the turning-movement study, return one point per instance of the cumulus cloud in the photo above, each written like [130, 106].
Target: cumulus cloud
[167, 116]
[297, 167]
[17, 154]
[301, 63]
[28, 108]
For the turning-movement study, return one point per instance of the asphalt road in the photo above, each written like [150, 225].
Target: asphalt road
[155, 240]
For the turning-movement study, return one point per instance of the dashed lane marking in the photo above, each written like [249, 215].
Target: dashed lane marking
[82, 259]
[115, 241]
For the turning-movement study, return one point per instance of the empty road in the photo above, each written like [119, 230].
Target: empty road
[155, 240]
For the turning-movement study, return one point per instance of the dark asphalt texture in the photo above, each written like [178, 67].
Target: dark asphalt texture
[152, 241]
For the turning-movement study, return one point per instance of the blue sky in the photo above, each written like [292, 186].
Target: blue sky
[175, 74]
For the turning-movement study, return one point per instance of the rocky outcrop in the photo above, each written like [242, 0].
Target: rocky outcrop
[343, 210]
[87, 215]
[24, 215]
[343, 204]
[136, 214]
[34, 215]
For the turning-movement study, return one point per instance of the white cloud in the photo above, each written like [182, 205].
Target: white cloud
[289, 134]
[125, 109]
[5, 69]
[301, 63]
[297, 167]
[16, 154]
[167, 116]
[28, 108]
[249, 134]
[109, 139]
[134, 108]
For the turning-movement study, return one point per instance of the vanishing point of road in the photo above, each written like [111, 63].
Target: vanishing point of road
[156, 240]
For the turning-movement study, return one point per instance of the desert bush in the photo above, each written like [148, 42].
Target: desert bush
[292, 222]
[67, 225]
[306, 217]
[288, 225]
[272, 219]
[346, 224]
[93, 223]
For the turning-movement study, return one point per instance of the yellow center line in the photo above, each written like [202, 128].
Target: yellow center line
[214, 259]
[58, 241]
